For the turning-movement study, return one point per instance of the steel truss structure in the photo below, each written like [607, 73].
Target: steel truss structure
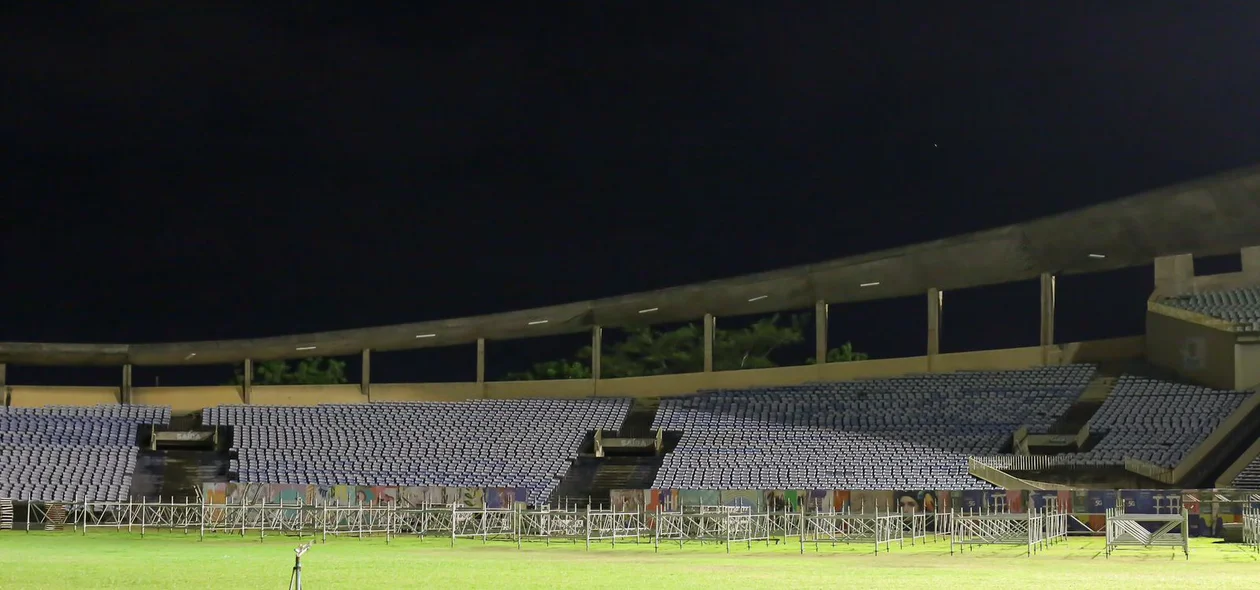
[1129, 530]
[1035, 530]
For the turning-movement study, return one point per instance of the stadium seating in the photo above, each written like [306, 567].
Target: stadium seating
[908, 433]
[62, 454]
[1155, 421]
[477, 443]
[1249, 477]
[1241, 306]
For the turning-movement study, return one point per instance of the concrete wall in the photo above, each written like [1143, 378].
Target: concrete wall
[305, 395]
[1200, 353]
[1247, 365]
[33, 396]
[187, 399]
[419, 392]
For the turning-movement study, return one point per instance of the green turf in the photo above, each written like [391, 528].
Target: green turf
[172, 560]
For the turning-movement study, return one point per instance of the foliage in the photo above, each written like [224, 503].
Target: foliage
[561, 369]
[647, 351]
[844, 354]
[310, 371]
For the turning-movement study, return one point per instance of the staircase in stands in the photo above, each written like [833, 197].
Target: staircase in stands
[591, 479]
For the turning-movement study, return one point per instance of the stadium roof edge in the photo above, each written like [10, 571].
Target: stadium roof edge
[1207, 217]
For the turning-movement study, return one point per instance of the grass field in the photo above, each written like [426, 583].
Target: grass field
[172, 560]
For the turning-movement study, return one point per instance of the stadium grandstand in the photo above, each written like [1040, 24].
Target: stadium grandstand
[1175, 409]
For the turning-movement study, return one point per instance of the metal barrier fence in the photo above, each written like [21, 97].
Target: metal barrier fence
[726, 525]
[1129, 530]
[1035, 530]
[1251, 528]
[730, 526]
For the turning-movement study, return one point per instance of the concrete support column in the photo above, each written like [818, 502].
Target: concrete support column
[1251, 262]
[821, 311]
[935, 299]
[366, 386]
[709, 326]
[247, 383]
[1048, 286]
[1174, 275]
[597, 347]
[481, 366]
[125, 393]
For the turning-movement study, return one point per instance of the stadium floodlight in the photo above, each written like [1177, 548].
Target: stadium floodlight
[305, 348]
[874, 284]
[538, 322]
[295, 581]
[425, 335]
[649, 310]
[1097, 255]
[758, 298]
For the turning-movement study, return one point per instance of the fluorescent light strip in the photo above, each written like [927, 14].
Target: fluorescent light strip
[876, 283]
[425, 335]
[758, 298]
[1097, 255]
[306, 348]
[190, 355]
[649, 310]
[537, 322]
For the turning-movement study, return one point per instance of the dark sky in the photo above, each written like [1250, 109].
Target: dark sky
[219, 171]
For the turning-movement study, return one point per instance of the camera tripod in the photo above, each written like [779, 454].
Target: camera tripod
[295, 581]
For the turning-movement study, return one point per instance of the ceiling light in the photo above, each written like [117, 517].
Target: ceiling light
[537, 322]
[1097, 255]
[758, 298]
[306, 348]
[425, 335]
[649, 310]
[876, 283]
[190, 355]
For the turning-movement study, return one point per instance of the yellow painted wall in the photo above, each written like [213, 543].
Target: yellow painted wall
[1095, 351]
[305, 395]
[187, 399]
[33, 396]
[1170, 341]
[421, 392]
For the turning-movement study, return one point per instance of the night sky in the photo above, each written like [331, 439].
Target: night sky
[216, 171]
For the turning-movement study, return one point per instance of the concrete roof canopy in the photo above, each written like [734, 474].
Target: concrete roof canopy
[1207, 217]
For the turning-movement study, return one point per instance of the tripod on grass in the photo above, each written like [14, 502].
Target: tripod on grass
[295, 581]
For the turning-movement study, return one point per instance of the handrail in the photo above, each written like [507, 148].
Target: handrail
[979, 468]
[1151, 470]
